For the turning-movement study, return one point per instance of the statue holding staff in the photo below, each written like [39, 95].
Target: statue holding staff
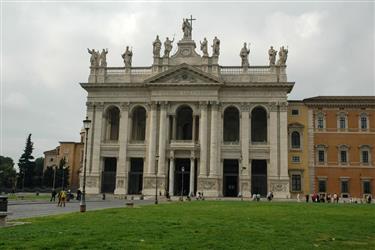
[94, 59]
[168, 47]
[215, 47]
[272, 56]
[244, 54]
[127, 56]
[156, 46]
[283, 56]
[204, 47]
[103, 58]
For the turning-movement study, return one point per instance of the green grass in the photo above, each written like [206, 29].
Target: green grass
[202, 225]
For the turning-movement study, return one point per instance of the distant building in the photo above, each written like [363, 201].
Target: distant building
[342, 129]
[298, 143]
[73, 154]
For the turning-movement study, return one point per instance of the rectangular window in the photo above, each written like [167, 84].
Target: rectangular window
[343, 157]
[367, 187]
[345, 186]
[322, 186]
[342, 122]
[364, 156]
[295, 112]
[321, 156]
[320, 122]
[296, 183]
[363, 122]
[295, 158]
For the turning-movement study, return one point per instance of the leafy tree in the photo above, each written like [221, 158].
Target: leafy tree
[26, 165]
[38, 172]
[7, 174]
[48, 177]
[62, 173]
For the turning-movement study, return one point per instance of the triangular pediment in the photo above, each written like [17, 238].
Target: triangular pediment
[184, 74]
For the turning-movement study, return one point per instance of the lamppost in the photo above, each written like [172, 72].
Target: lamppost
[156, 179]
[54, 177]
[182, 183]
[63, 172]
[82, 205]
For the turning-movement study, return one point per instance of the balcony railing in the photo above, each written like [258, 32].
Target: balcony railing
[236, 70]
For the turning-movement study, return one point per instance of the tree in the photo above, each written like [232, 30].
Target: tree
[26, 165]
[38, 172]
[7, 174]
[62, 173]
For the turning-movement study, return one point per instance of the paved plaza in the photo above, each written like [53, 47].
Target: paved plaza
[27, 209]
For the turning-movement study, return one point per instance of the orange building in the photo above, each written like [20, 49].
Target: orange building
[298, 149]
[73, 154]
[342, 139]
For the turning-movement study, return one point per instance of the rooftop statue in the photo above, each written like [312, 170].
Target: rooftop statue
[244, 54]
[272, 56]
[127, 56]
[156, 46]
[168, 47]
[94, 59]
[103, 58]
[215, 47]
[283, 56]
[186, 28]
[204, 47]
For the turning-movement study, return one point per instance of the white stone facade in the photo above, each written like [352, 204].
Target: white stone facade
[185, 98]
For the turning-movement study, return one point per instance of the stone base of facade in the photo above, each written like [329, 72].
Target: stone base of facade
[280, 187]
[210, 186]
[121, 185]
[149, 187]
[93, 184]
[245, 186]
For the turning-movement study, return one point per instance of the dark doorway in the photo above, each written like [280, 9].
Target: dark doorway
[179, 176]
[184, 123]
[109, 175]
[259, 177]
[230, 181]
[135, 176]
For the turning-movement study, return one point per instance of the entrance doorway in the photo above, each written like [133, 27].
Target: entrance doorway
[230, 180]
[182, 178]
[259, 177]
[109, 175]
[135, 176]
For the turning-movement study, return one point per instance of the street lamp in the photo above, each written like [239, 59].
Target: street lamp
[54, 177]
[182, 183]
[63, 172]
[156, 180]
[82, 205]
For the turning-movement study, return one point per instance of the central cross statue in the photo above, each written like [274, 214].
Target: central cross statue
[187, 27]
[191, 21]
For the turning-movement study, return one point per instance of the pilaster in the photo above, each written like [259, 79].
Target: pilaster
[122, 168]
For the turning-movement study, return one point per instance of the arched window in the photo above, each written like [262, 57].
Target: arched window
[112, 123]
[184, 123]
[296, 140]
[259, 125]
[231, 125]
[139, 124]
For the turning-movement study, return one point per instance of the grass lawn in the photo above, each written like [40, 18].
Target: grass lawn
[202, 225]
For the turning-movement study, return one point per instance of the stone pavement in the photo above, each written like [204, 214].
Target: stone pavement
[27, 209]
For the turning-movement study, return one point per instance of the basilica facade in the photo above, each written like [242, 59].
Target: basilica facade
[186, 124]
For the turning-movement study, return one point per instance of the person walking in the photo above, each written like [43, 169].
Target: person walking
[53, 195]
[62, 198]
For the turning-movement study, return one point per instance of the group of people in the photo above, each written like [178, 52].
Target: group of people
[64, 196]
[333, 198]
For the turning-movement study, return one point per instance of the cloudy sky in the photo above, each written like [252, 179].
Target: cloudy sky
[44, 55]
